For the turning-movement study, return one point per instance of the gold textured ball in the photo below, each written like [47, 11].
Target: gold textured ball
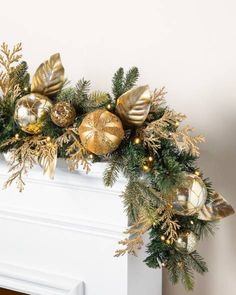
[186, 242]
[63, 114]
[191, 197]
[101, 132]
[31, 111]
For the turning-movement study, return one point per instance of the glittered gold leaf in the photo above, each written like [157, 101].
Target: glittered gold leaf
[49, 77]
[217, 209]
[133, 106]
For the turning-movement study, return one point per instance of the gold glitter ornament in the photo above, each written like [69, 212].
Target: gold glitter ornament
[191, 197]
[186, 242]
[63, 114]
[31, 111]
[133, 106]
[101, 132]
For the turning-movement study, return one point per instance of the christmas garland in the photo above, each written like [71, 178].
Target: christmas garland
[131, 129]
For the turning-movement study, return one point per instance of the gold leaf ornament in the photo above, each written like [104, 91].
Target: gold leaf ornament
[217, 209]
[133, 106]
[49, 77]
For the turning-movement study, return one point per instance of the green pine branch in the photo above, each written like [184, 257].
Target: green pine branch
[123, 82]
[111, 173]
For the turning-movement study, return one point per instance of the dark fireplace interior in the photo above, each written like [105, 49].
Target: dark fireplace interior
[10, 292]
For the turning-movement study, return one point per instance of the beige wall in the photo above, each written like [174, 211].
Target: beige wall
[187, 45]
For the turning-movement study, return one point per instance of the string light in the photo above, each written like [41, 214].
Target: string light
[109, 106]
[137, 140]
[163, 264]
[17, 136]
[150, 159]
[197, 172]
[48, 139]
[191, 222]
[146, 168]
[91, 156]
[163, 238]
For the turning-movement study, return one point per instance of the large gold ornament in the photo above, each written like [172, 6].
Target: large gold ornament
[63, 114]
[186, 242]
[216, 209]
[101, 132]
[31, 111]
[133, 106]
[191, 197]
[49, 77]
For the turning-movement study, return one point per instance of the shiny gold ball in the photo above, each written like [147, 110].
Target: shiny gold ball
[168, 242]
[63, 114]
[101, 132]
[186, 242]
[191, 197]
[31, 111]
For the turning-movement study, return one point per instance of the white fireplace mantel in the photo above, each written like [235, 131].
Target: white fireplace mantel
[59, 237]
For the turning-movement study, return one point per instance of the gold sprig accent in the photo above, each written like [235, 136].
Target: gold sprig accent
[23, 158]
[135, 240]
[7, 59]
[156, 130]
[184, 140]
[167, 223]
[75, 152]
[158, 99]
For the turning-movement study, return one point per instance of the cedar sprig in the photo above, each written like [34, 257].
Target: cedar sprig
[75, 152]
[7, 60]
[31, 149]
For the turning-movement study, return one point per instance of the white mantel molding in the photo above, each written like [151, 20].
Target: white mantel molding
[58, 237]
[36, 282]
[90, 227]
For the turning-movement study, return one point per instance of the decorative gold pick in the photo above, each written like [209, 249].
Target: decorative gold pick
[133, 106]
[217, 209]
[49, 77]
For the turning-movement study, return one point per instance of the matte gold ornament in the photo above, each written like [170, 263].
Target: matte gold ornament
[49, 77]
[31, 111]
[191, 197]
[101, 132]
[217, 209]
[63, 114]
[186, 242]
[133, 106]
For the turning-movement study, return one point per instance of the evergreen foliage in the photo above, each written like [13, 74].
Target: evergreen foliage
[146, 195]
[122, 82]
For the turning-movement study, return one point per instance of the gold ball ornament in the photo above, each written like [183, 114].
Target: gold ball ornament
[63, 114]
[186, 242]
[101, 132]
[31, 111]
[191, 197]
